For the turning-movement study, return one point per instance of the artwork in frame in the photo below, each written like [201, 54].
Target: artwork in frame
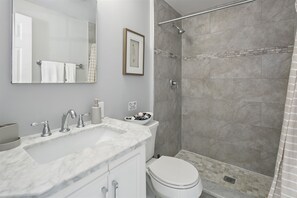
[133, 53]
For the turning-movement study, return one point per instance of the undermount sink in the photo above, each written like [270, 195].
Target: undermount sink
[57, 148]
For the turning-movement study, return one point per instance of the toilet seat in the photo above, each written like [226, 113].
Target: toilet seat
[174, 173]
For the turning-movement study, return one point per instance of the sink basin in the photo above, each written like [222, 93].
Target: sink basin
[57, 148]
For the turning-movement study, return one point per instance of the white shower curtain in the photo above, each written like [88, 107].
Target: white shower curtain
[285, 178]
[92, 63]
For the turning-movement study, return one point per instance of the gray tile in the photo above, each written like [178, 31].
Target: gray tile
[221, 191]
[205, 195]
[195, 26]
[268, 160]
[197, 88]
[167, 106]
[219, 139]
[163, 11]
[276, 65]
[244, 156]
[167, 110]
[249, 37]
[209, 88]
[221, 88]
[163, 91]
[247, 113]
[241, 67]
[275, 10]
[165, 67]
[168, 137]
[236, 17]
[260, 90]
[193, 68]
[222, 110]
[196, 107]
[212, 172]
[272, 115]
[273, 34]
[196, 144]
[166, 37]
[168, 41]
[220, 41]
[201, 128]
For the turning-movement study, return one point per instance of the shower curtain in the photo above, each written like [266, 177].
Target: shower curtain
[92, 63]
[285, 178]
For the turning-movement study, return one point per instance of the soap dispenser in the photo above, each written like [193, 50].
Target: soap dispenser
[96, 112]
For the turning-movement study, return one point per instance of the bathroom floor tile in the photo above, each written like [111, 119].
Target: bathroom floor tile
[248, 184]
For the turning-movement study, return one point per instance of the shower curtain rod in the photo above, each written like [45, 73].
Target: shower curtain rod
[229, 5]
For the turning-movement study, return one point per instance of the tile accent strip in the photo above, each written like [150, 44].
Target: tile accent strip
[244, 53]
[230, 54]
[166, 54]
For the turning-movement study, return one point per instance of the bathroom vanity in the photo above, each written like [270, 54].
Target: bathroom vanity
[106, 160]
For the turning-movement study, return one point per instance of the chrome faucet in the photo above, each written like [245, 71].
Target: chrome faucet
[80, 121]
[65, 126]
[46, 129]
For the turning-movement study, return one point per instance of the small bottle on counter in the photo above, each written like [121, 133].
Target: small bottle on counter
[96, 112]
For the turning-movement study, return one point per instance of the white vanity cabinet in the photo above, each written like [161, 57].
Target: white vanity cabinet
[120, 178]
[97, 188]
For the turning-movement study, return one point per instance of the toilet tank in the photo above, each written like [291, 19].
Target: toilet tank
[150, 143]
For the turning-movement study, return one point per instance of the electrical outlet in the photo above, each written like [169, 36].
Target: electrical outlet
[132, 106]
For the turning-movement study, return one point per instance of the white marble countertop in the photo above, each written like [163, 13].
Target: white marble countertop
[22, 176]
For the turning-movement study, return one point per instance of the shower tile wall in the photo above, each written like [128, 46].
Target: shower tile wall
[235, 72]
[167, 108]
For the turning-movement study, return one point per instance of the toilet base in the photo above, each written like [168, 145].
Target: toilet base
[168, 192]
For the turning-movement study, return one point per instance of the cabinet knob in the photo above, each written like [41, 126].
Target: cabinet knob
[104, 190]
[115, 185]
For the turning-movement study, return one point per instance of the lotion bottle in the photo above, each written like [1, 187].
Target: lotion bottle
[96, 112]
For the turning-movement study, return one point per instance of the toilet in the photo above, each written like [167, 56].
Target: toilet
[169, 177]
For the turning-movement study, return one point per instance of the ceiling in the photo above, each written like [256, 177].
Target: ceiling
[185, 7]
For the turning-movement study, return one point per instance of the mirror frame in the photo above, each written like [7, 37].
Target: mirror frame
[11, 28]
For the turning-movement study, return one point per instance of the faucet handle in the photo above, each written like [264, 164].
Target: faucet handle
[46, 129]
[81, 122]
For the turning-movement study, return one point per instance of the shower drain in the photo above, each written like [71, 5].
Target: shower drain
[229, 180]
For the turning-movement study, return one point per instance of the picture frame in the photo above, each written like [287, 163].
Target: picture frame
[133, 53]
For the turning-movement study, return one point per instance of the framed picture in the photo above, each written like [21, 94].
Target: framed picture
[133, 53]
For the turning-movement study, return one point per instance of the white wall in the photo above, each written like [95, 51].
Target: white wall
[114, 15]
[28, 103]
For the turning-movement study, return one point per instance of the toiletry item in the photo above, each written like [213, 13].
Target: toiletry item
[9, 137]
[140, 118]
[8, 133]
[96, 112]
[101, 105]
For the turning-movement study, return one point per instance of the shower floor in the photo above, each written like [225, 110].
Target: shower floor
[248, 184]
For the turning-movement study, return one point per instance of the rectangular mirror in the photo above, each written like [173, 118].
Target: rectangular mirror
[54, 41]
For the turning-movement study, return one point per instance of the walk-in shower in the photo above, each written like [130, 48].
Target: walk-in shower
[232, 66]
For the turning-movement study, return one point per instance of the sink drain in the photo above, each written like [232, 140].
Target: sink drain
[229, 180]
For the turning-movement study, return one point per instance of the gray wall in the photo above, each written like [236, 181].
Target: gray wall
[167, 109]
[28, 103]
[234, 79]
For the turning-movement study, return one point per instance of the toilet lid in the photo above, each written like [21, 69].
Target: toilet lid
[174, 172]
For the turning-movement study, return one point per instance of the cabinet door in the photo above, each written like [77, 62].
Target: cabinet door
[95, 189]
[127, 180]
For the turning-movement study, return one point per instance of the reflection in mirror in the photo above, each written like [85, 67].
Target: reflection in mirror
[54, 41]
